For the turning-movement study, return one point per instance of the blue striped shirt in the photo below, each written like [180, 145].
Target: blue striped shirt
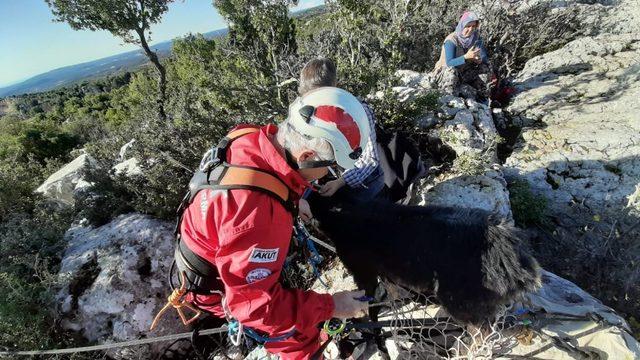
[368, 161]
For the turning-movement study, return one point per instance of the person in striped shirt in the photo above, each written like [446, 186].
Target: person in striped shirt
[366, 180]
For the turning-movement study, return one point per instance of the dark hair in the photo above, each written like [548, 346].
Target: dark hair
[317, 73]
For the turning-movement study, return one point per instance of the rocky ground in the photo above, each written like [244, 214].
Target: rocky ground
[579, 149]
[115, 279]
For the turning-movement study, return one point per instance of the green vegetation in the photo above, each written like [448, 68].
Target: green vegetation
[528, 208]
[36, 138]
[395, 115]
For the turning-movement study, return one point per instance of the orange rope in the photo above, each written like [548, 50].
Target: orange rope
[177, 301]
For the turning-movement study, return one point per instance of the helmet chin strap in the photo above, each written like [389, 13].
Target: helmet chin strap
[311, 164]
[316, 164]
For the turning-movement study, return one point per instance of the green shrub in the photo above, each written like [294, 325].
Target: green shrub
[471, 163]
[528, 208]
[30, 244]
[395, 115]
[24, 319]
[105, 199]
[45, 143]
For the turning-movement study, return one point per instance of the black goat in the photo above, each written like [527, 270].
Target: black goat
[471, 265]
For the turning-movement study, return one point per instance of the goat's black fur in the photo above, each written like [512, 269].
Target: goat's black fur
[471, 265]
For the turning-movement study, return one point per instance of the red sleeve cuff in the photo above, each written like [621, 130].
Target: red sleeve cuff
[326, 307]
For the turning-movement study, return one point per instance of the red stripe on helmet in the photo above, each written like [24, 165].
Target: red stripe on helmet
[344, 122]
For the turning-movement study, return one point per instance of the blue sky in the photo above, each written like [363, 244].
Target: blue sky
[31, 43]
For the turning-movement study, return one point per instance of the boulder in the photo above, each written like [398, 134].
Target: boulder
[129, 167]
[62, 184]
[580, 147]
[487, 192]
[561, 313]
[114, 280]
[474, 181]
[470, 128]
[409, 78]
[414, 79]
[427, 121]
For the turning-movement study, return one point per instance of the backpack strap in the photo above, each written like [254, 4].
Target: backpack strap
[218, 154]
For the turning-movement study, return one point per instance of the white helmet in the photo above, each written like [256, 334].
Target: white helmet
[335, 115]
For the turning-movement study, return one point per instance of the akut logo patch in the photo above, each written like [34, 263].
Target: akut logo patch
[264, 255]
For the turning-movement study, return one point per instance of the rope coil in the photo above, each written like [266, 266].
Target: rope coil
[177, 301]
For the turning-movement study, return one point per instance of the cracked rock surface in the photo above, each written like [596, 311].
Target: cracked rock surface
[467, 127]
[580, 147]
[115, 279]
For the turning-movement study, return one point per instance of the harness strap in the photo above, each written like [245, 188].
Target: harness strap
[201, 274]
[245, 177]
[216, 173]
[241, 132]
[236, 330]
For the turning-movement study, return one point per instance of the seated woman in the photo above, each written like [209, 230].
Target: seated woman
[464, 60]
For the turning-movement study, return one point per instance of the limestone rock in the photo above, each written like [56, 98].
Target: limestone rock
[122, 154]
[590, 326]
[447, 112]
[114, 281]
[62, 185]
[414, 79]
[452, 101]
[470, 128]
[409, 78]
[584, 151]
[129, 167]
[427, 121]
[487, 192]
[578, 77]
[474, 181]
[407, 94]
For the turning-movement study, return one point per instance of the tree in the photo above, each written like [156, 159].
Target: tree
[263, 31]
[127, 19]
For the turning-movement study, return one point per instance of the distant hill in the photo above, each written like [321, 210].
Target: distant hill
[93, 69]
[127, 61]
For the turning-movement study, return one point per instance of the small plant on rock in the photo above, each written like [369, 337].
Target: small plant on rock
[528, 208]
[470, 163]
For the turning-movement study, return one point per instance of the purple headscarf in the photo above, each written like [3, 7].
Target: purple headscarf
[465, 19]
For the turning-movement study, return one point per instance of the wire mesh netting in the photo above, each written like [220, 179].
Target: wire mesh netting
[418, 328]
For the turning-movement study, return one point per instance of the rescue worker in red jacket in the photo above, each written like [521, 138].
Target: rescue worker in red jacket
[246, 233]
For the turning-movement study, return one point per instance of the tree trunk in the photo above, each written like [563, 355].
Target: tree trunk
[162, 74]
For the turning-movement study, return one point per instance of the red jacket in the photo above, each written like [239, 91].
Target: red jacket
[246, 234]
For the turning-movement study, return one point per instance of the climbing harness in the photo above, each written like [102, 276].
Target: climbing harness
[197, 275]
[304, 234]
